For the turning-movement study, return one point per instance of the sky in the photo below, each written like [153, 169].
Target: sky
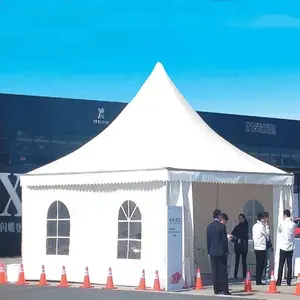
[232, 56]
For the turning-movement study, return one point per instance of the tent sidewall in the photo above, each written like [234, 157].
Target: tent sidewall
[94, 233]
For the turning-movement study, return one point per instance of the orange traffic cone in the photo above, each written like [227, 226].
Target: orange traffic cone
[248, 285]
[43, 280]
[142, 285]
[21, 280]
[86, 281]
[63, 282]
[272, 286]
[199, 285]
[109, 281]
[2, 274]
[156, 285]
[297, 292]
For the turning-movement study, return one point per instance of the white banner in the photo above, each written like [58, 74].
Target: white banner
[174, 280]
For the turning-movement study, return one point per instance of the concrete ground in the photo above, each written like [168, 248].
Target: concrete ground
[12, 292]
[259, 292]
[32, 292]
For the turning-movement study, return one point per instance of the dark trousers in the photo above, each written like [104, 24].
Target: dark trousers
[219, 273]
[260, 264]
[288, 257]
[237, 263]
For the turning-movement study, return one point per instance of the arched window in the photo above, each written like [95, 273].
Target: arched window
[251, 209]
[58, 229]
[129, 231]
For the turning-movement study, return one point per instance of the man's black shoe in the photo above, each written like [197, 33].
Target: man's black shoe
[227, 294]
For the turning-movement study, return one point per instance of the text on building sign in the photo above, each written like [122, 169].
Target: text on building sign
[101, 117]
[10, 227]
[260, 128]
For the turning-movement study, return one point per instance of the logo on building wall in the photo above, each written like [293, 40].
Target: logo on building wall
[101, 117]
[260, 128]
[10, 204]
[9, 196]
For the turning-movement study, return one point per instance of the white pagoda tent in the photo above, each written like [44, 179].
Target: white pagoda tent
[151, 156]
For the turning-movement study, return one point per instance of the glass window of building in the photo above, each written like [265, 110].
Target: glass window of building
[58, 145]
[295, 155]
[264, 154]
[285, 158]
[275, 157]
[42, 143]
[75, 141]
[3, 140]
[24, 142]
[253, 151]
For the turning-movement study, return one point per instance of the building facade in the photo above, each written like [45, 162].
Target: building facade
[37, 130]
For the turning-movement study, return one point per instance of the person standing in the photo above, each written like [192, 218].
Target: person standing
[260, 235]
[240, 238]
[269, 251]
[217, 249]
[286, 243]
[224, 220]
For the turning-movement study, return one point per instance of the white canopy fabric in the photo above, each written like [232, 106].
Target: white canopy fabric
[158, 136]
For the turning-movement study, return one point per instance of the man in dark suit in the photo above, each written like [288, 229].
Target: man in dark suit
[217, 248]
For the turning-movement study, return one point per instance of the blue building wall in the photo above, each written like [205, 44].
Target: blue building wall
[275, 141]
[37, 130]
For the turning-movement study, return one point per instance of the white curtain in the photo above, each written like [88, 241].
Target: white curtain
[283, 198]
[173, 192]
[181, 194]
[231, 256]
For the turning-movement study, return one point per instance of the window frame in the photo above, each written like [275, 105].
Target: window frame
[129, 221]
[58, 237]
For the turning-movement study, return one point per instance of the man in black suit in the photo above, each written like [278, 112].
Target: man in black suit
[217, 248]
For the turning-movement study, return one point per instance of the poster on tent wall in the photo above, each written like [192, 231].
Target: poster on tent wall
[174, 280]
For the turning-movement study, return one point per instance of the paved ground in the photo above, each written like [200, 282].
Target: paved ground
[31, 292]
[11, 292]
[259, 292]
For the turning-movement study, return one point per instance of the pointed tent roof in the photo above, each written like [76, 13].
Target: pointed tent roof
[158, 129]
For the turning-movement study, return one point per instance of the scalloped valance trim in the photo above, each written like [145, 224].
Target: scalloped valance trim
[141, 176]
